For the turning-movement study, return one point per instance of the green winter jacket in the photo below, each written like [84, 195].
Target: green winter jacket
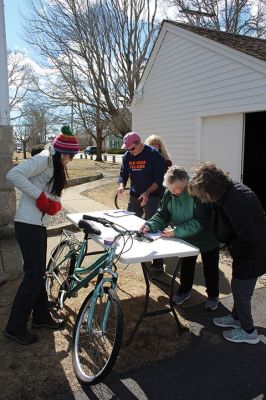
[189, 216]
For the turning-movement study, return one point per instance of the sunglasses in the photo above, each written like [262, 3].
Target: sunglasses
[133, 148]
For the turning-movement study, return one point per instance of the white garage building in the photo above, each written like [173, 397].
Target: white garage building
[204, 93]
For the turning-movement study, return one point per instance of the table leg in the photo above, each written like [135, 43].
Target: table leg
[145, 270]
[145, 313]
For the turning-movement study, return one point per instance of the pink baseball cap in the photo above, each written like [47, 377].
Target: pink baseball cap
[130, 139]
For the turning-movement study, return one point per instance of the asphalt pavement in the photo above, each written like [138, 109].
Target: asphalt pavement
[210, 368]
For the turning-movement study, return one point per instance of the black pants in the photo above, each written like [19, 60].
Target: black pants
[149, 210]
[31, 295]
[210, 261]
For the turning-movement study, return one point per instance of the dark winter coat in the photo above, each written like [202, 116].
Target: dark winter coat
[239, 222]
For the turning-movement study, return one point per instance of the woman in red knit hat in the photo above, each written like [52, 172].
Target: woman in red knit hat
[41, 180]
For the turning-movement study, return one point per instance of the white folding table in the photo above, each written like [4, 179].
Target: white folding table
[140, 252]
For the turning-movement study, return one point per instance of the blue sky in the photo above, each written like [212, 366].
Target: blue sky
[13, 21]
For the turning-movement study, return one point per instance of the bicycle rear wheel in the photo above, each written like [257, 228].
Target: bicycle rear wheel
[122, 202]
[94, 352]
[57, 274]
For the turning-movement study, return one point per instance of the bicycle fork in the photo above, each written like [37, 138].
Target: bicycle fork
[98, 292]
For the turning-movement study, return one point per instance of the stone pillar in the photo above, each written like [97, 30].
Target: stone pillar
[7, 192]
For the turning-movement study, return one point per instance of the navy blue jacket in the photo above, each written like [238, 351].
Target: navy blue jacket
[146, 168]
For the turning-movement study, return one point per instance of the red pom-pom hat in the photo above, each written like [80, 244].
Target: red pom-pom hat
[66, 142]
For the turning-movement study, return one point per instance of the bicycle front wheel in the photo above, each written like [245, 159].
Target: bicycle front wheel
[95, 349]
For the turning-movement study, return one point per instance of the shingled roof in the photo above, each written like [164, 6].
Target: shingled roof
[253, 46]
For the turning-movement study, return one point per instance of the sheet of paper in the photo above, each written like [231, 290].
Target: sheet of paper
[154, 235]
[118, 213]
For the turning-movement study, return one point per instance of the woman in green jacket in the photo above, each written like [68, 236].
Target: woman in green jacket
[192, 222]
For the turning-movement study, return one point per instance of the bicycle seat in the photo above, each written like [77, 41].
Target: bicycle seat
[88, 228]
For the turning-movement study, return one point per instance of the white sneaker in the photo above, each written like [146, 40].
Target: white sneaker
[226, 322]
[238, 335]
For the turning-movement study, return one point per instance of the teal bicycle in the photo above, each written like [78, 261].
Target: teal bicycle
[98, 331]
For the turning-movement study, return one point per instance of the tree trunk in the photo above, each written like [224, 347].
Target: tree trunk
[99, 142]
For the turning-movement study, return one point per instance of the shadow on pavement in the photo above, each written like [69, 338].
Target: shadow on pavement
[210, 368]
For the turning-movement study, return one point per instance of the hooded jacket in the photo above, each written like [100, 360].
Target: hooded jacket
[32, 177]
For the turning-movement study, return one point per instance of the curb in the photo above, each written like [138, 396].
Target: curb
[83, 179]
[58, 229]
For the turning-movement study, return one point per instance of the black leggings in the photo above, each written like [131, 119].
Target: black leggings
[210, 261]
[31, 295]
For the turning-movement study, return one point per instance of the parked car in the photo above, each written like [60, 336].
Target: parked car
[18, 148]
[90, 150]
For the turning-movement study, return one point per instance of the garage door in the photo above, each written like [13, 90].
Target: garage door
[221, 141]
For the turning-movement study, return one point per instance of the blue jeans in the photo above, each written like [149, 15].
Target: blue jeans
[242, 290]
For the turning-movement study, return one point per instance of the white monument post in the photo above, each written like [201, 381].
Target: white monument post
[7, 192]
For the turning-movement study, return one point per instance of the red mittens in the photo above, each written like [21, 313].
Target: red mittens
[42, 202]
[54, 207]
[48, 206]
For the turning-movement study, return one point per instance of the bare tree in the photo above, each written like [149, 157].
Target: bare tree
[246, 17]
[35, 126]
[98, 51]
[22, 134]
[20, 82]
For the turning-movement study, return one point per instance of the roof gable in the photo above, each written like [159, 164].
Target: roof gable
[252, 46]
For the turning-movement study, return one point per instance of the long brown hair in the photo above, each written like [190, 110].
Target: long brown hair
[209, 183]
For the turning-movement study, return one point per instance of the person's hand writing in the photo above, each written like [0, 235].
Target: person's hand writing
[168, 233]
[144, 229]
[143, 199]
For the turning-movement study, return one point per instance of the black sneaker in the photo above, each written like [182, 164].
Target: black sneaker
[50, 323]
[21, 338]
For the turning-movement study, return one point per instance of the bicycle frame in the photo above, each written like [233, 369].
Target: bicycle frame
[74, 283]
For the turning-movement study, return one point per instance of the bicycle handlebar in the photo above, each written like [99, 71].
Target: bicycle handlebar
[102, 221]
[106, 222]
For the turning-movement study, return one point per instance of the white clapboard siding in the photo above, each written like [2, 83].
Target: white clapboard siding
[189, 77]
